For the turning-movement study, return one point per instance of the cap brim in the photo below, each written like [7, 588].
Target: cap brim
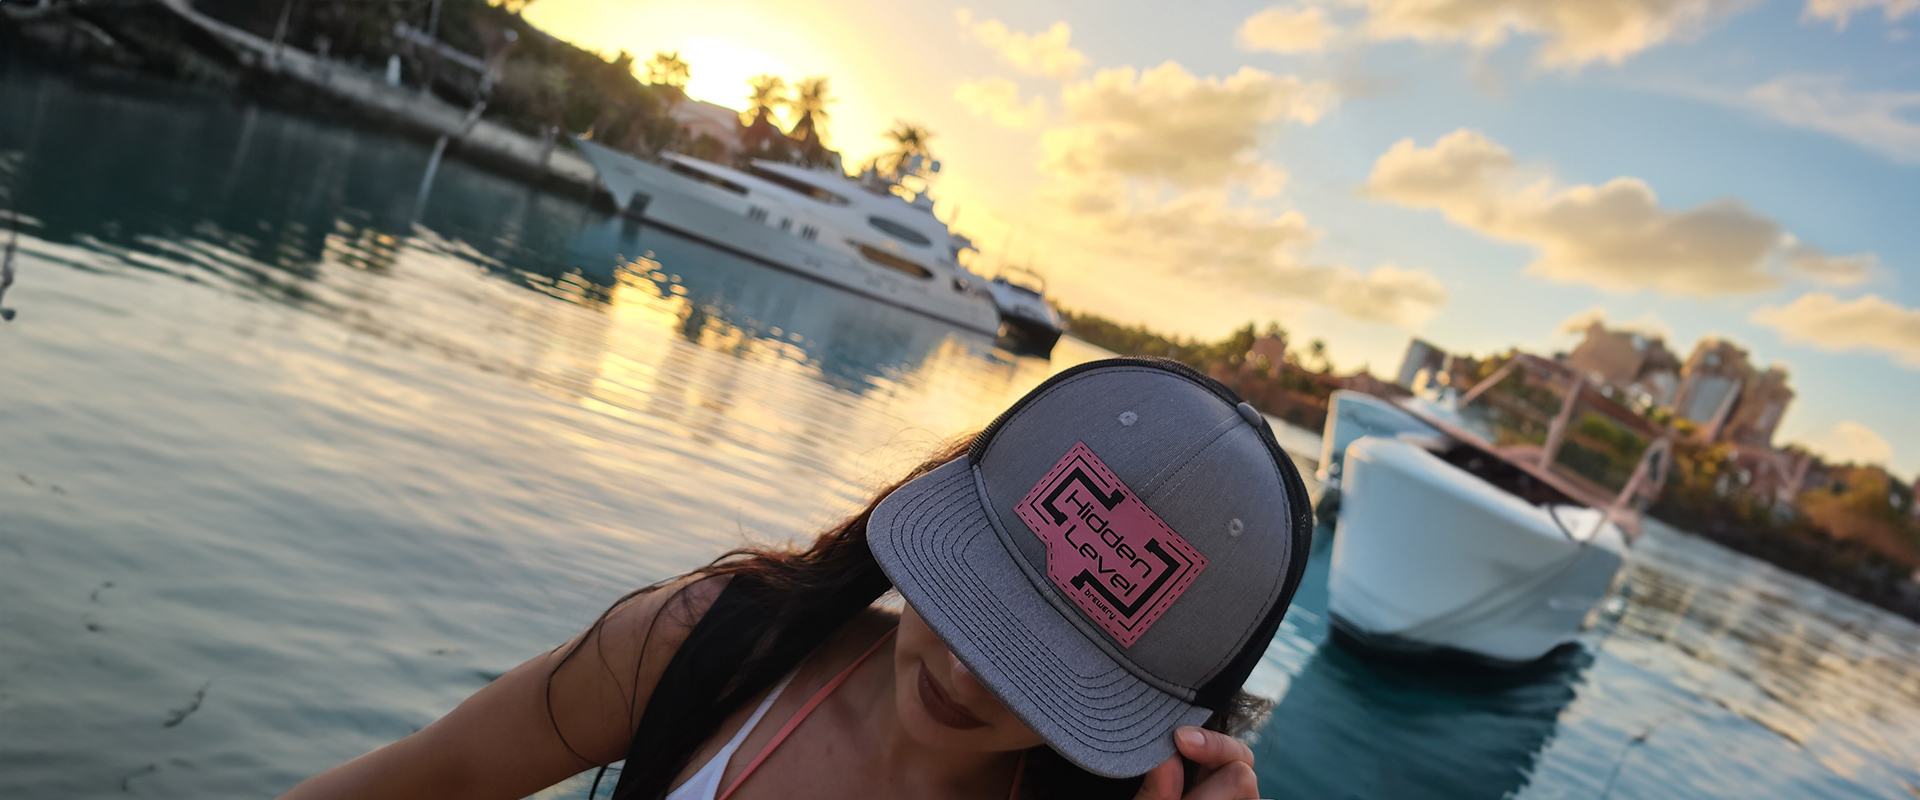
[934, 539]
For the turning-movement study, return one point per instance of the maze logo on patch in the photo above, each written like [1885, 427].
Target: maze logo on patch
[1105, 549]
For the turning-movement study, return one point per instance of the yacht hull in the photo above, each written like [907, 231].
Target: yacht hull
[1427, 557]
[740, 225]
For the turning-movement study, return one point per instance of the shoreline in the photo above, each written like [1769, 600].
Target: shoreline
[223, 58]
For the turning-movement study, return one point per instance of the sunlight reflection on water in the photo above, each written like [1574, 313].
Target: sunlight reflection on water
[262, 435]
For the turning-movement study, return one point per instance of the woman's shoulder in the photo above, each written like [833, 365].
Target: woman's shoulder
[662, 617]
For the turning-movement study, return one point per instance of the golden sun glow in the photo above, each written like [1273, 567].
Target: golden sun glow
[721, 69]
[727, 42]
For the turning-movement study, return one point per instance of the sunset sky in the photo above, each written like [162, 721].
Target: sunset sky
[1479, 173]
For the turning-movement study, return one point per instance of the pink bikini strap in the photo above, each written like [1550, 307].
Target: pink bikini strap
[799, 716]
[814, 702]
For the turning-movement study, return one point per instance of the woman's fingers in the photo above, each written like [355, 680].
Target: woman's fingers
[1235, 781]
[1212, 749]
[1226, 769]
[1163, 782]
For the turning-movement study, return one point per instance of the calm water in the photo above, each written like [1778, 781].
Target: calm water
[287, 470]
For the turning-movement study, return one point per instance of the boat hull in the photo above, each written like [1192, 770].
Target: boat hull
[1027, 336]
[1428, 556]
[1027, 321]
[747, 228]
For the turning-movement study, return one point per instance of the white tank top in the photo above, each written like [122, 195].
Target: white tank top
[705, 784]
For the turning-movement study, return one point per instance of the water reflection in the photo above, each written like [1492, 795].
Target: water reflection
[1398, 728]
[850, 340]
[1824, 672]
[1406, 730]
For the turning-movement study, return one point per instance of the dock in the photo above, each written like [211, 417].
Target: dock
[460, 131]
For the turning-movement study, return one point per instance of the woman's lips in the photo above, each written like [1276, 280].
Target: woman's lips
[941, 707]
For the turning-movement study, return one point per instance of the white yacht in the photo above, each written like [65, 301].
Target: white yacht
[1487, 524]
[817, 223]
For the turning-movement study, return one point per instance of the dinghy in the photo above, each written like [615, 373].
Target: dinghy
[1483, 525]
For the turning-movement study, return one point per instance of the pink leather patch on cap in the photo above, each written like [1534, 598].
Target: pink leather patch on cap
[1105, 548]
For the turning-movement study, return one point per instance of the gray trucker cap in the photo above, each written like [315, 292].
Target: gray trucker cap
[1110, 559]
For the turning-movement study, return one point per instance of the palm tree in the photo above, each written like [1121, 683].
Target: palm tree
[909, 140]
[769, 92]
[809, 103]
[666, 69]
[762, 138]
[1318, 350]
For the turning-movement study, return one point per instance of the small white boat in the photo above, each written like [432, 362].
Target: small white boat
[1448, 543]
[1026, 318]
[1429, 557]
[817, 223]
[1351, 415]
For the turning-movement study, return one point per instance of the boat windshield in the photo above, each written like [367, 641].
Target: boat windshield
[1544, 413]
[891, 261]
[796, 185]
[899, 231]
[1027, 290]
[1023, 278]
[704, 176]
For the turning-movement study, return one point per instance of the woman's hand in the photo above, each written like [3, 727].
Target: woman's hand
[1226, 769]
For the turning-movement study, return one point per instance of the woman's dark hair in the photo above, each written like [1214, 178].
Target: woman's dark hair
[778, 607]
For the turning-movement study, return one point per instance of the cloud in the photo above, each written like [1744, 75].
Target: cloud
[1151, 172]
[1047, 53]
[1614, 236]
[1647, 324]
[1885, 122]
[998, 99]
[1165, 124]
[1204, 237]
[1868, 323]
[1286, 30]
[1836, 270]
[1403, 297]
[1839, 12]
[1578, 32]
[1851, 442]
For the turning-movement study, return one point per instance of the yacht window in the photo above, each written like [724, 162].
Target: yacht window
[891, 261]
[706, 177]
[800, 186]
[899, 231]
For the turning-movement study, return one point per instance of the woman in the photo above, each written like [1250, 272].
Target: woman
[1087, 584]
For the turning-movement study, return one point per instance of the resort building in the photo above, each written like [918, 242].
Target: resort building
[1421, 355]
[1763, 401]
[1710, 383]
[699, 117]
[1637, 368]
[1273, 349]
[1728, 399]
